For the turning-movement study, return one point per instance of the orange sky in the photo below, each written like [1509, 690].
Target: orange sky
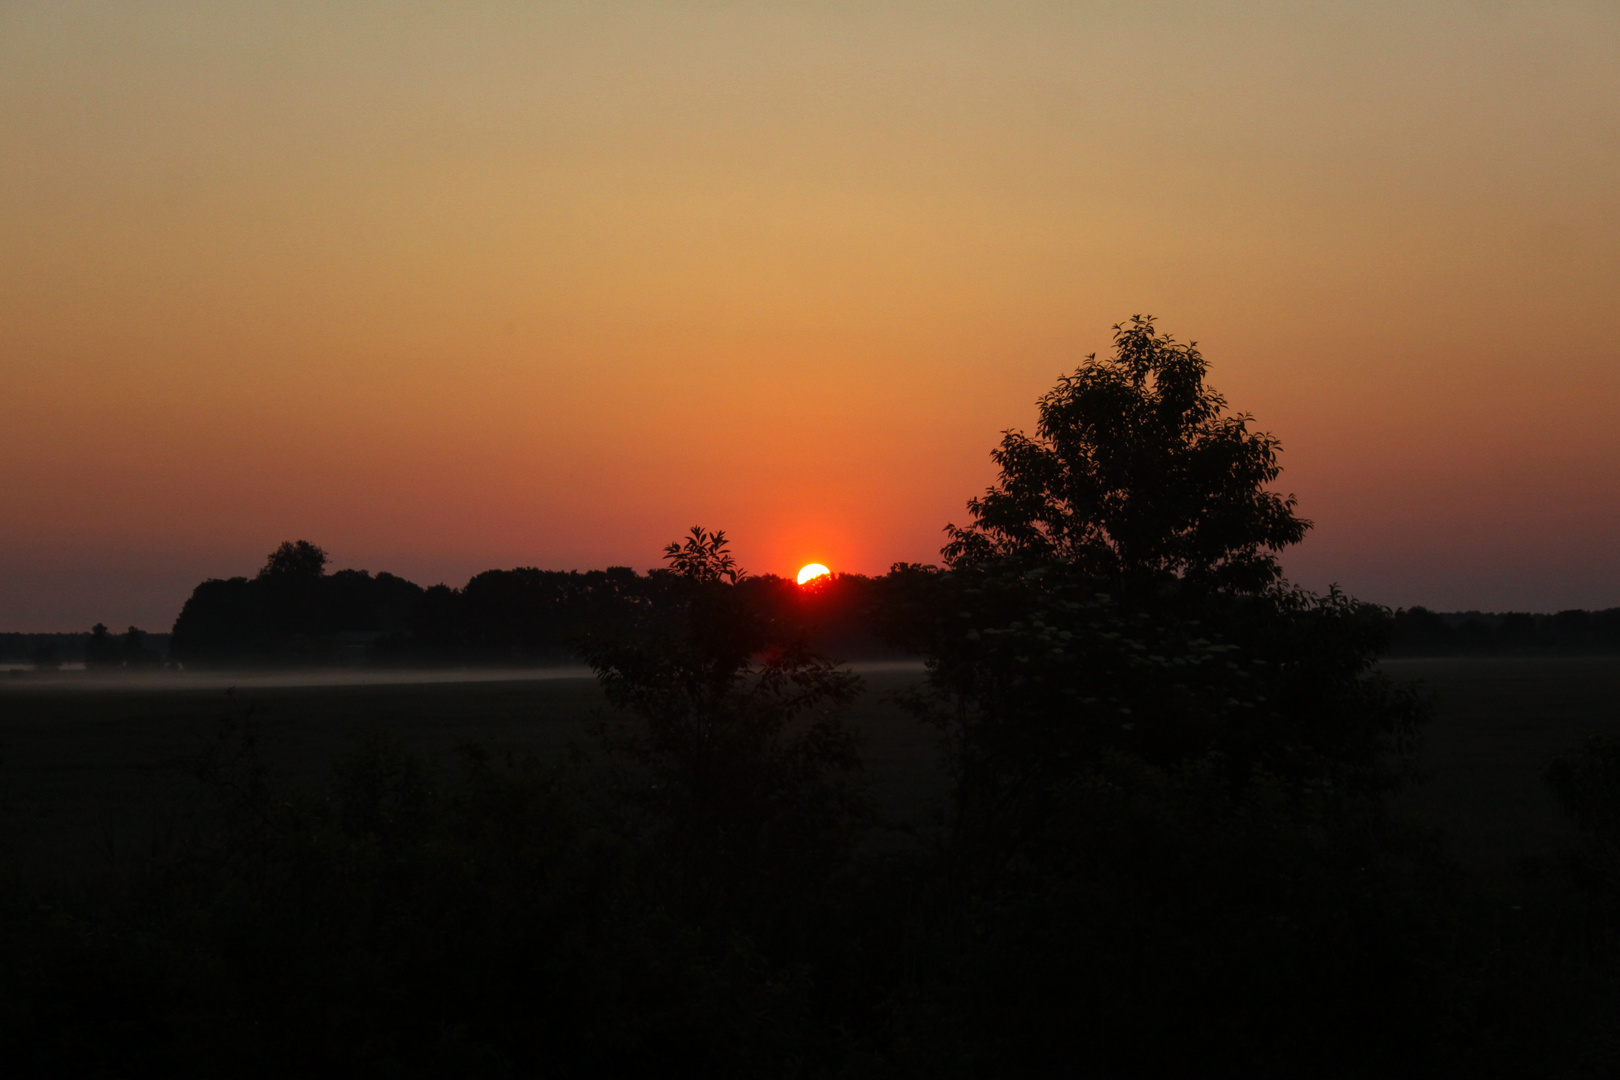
[446, 286]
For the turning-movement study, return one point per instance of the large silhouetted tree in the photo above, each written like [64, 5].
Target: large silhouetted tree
[1118, 588]
[1137, 475]
[1166, 762]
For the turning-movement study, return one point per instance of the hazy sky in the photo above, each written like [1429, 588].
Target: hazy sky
[450, 286]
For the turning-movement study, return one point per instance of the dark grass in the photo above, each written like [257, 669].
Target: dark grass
[92, 776]
[1498, 724]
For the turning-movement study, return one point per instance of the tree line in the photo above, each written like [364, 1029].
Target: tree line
[1167, 847]
[528, 616]
[100, 648]
[294, 613]
[1421, 632]
[286, 616]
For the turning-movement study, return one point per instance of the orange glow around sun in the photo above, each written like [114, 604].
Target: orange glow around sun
[811, 572]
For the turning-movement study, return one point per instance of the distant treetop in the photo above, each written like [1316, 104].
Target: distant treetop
[704, 556]
[294, 559]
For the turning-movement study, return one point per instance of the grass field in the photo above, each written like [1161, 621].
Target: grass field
[93, 771]
[1499, 722]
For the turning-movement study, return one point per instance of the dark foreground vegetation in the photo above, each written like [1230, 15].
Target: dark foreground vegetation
[1166, 842]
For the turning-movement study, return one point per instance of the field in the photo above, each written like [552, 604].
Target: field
[93, 771]
[1499, 722]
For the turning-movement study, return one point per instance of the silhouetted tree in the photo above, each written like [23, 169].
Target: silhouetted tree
[132, 650]
[292, 613]
[1138, 475]
[703, 557]
[737, 740]
[1165, 761]
[1064, 628]
[835, 614]
[294, 560]
[101, 650]
[523, 615]
[222, 622]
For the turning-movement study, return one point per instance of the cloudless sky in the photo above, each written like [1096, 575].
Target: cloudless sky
[450, 286]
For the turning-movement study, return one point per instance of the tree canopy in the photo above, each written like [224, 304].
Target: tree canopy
[1137, 475]
[299, 559]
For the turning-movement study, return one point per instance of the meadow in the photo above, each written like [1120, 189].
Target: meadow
[94, 771]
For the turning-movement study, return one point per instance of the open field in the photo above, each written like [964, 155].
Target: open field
[1499, 722]
[91, 771]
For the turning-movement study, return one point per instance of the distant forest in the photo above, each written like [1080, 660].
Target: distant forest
[293, 613]
[1420, 632]
[133, 648]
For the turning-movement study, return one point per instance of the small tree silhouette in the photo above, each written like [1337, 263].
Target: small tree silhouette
[133, 652]
[101, 651]
[299, 560]
[737, 741]
[703, 557]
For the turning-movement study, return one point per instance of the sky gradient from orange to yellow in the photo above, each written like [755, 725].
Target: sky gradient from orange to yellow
[444, 287]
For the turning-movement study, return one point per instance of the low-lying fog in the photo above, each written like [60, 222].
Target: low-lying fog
[76, 678]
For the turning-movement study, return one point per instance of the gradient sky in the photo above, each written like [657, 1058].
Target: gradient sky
[450, 286]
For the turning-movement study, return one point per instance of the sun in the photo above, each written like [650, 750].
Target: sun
[811, 572]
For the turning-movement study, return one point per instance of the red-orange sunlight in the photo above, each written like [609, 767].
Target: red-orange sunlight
[445, 293]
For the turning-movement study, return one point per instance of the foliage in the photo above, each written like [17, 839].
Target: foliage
[1167, 764]
[1138, 477]
[133, 651]
[1066, 627]
[521, 616]
[101, 650]
[738, 751]
[291, 613]
[1033, 674]
[1587, 782]
[294, 560]
[703, 557]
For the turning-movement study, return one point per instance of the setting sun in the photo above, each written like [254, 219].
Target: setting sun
[811, 572]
